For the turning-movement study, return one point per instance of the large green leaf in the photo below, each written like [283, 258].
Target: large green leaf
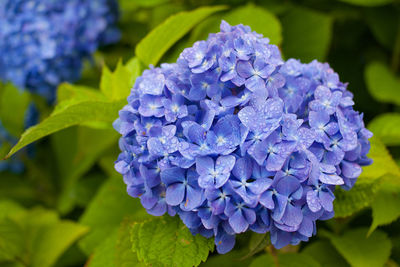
[231, 259]
[265, 260]
[387, 127]
[106, 211]
[117, 85]
[285, 260]
[75, 114]
[383, 162]
[306, 34]
[323, 252]
[80, 105]
[166, 241]
[368, 2]
[68, 94]
[13, 106]
[116, 250]
[259, 19]
[77, 149]
[254, 16]
[158, 41]
[257, 243]
[349, 202]
[382, 84]
[37, 237]
[360, 250]
[386, 203]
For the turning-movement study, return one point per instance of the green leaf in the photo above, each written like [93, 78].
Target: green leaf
[368, 2]
[259, 19]
[254, 16]
[383, 24]
[17, 101]
[306, 34]
[360, 250]
[158, 41]
[323, 252]
[349, 202]
[117, 85]
[285, 260]
[106, 211]
[9, 208]
[124, 256]
[54, 240]
[386, 203]
[116, 250]
[12, 241]
[382, 84]
[166, 241]
[87, 147]
[257, 243]
[387, 127]
[265, 260]
[37, 237]
[75, 114]
[104, 254]
[296, 260]
[383, 162]
[68, 94]
[231, 259]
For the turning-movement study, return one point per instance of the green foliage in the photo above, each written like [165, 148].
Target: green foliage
[387, 128]
[77, 149]
[116, 250]
[16, 100]
[35, 237]
[166, 241]
[157, 42]
[259, 19]
[75, 114]
[349, 202]
[306, 34]
[383, 22]
[106, 211]
[285, 260]
[383, 162]
[323, 252]
[257, 243]
[116, 85]
[368, 2]
[382, 84]
[386, 203]
[360, 250]
[89, 108]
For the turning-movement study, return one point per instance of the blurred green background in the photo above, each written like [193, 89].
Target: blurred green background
[70, 208]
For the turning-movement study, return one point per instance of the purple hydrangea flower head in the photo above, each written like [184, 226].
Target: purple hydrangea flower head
[231, 138]
[43, 42]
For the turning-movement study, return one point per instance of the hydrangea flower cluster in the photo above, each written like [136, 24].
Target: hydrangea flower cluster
[43, 42]
[232, 138]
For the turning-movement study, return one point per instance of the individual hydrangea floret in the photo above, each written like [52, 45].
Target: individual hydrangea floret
[231, 138]
[43, 42]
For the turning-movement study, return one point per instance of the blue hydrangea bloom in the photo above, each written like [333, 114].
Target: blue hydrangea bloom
[237, 139]
[43, 42]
